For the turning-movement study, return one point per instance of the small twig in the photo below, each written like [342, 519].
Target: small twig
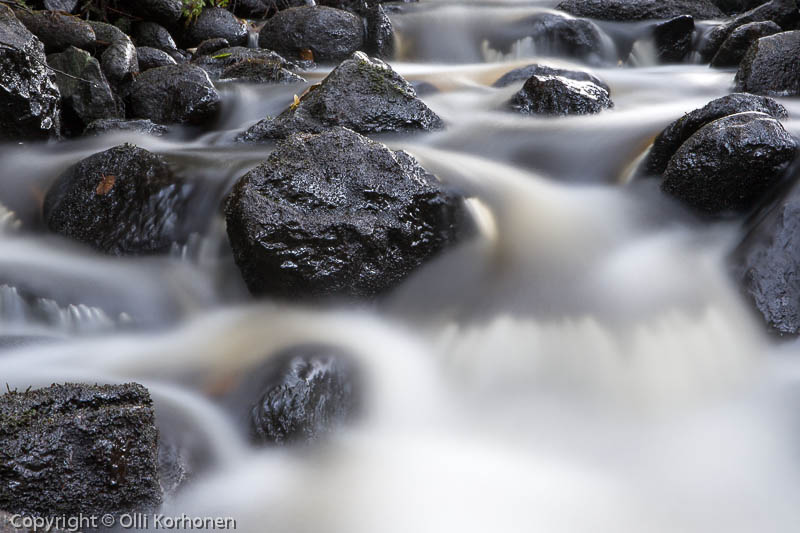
[45, 65]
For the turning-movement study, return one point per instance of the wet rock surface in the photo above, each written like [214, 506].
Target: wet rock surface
[56, 30]
[123, 201]
[216, 63]
[733, 49]
[673, 39]
[329, 34]
[155, 36]
[554, 95]
[556, 34]
[380, 33]
[216, 23]
[106, 34]
[770, 66]
[209, 46]
[361, 94]
[674, 135]
[523, 73]
[628, 10]
[166, 12]
[180, 94]
[73, 449]
[108, 125]
[336, 214]
[29, 97]
[730, 164]
[153, 58]
[120, 61]
[260, 71]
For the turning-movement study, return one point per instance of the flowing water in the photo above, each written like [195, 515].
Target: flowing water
[584, 364]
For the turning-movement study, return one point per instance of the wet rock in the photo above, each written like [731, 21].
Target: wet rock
[767, 263]
[330, 34]
[535, 69]
[306, 392]
[123, 201]
[732, 7]
[166, 12]
[260, 71]
[82, 101]
[209, 46]
[174, 94]
[729, 164]
[144, 127]
[153, 58]
[154, 36]
[770, 66]
[216, 23]
[336, 214]
[554, 95]
[261, 9]
[56, 30]
[67, 6]
[556, 34]
[120, 61]
[380, 33]
[73, 449]
[362, 94]
[732, 51]
[674, 135]
[673, 39]
[782, 12]
[106, 34]
[216, 63]
[30, 106]
[628, 10]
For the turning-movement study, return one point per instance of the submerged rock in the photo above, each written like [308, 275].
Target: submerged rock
[628, 10]
[673, 39]
[767, 264]
[216, 23]
[362, 94]
[29, 97]
[734, 48]
[123, 201]
[674, 135]
[305, 392]
[153, 58]
[330, 34]
[180, 94]
[56, 30]
[107, 125]
[554, 95]
[558, 35]
[336, 214]
[523, 73]
[770, 66]
[729, 164]
[70, 449]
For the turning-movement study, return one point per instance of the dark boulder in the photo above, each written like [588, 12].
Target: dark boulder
[107, 125]
[629, 10]
[56, 30]
[67, 6]
[730, 164]
[123, 201]
[673, 39]
[535, 69]
[70, 449]
[120, 61]
[362, 94]
[216, 23]
[674, 135]
[303, 394]
[734, 48]
[85, 92]
[336, 214]
[770, 66]
[174, 94]
[330, 34]
[216, 63]
[554, 95]
[767, 263]
[260, 71]
[155, 36]
[30, 106]
[209, 46]
[106, 34]
[166, 12]
[380, 33]
[153, 58]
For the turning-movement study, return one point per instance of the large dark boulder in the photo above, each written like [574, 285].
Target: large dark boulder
[29, 97]
[770, 66]
[120, 62]
[70, 449]
[302, 394]
[123, 201]
[110, 125]
[56, 30]
[628, 10]
[155, 36]
[362, 94]
[213, 23]
[153, 58]
[180, 94]
[535, 69]
[730, 164]
[336, 214]
[673, 39]
[767, 263]
[734, 48]
[554, 95]
[85, 92]
[330, 34]
[674, 135]
[216, 63]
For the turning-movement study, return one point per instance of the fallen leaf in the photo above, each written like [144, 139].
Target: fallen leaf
[106, 184]
[306, 54]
